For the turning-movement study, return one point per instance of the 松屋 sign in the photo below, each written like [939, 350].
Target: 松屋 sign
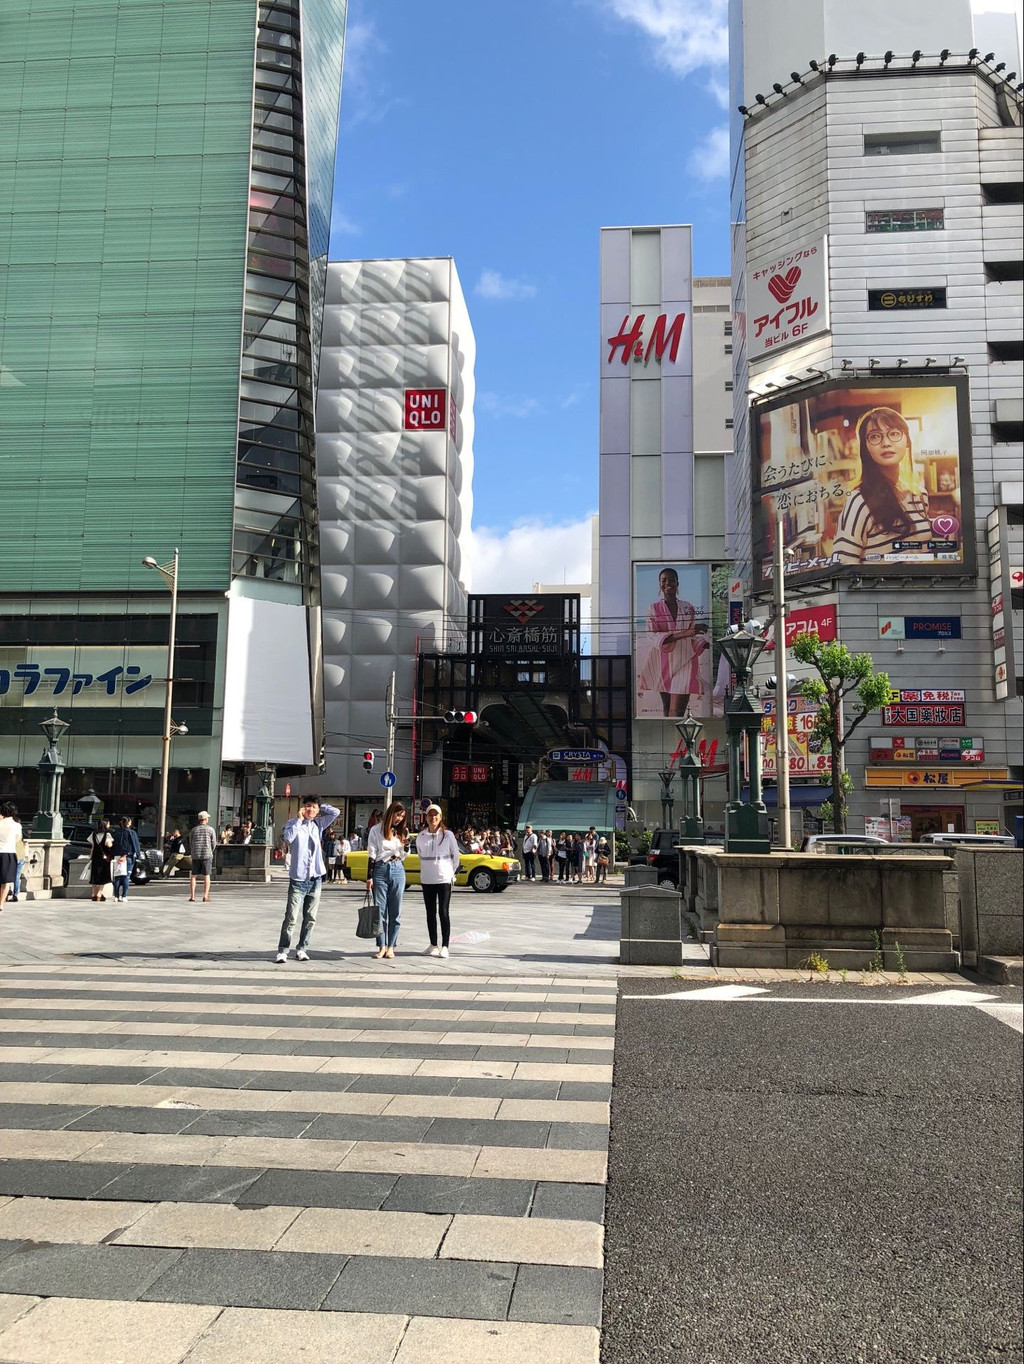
[426, 409]
[641, 341]
[787, 297]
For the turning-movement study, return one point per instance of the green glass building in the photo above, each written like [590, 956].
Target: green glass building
[166, 173]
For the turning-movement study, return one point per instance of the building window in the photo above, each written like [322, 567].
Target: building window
[728, 385]
[901, 144]
[1003, 192]
[727, 328]
[728, 423]
[904, 220]
[728, 350]
[1001, 351]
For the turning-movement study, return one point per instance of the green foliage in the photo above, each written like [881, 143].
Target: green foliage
[623, 851]
[644, 841]
[841, 675]
[817, 963]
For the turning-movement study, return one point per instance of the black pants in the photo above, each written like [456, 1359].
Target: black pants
[545, 867]
[436, 900]
[530, 862]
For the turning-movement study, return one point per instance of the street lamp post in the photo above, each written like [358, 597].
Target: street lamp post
[169, 573]
[48, 822]
[263, 805]
[746, 822]
[689, 774]
[667, 799]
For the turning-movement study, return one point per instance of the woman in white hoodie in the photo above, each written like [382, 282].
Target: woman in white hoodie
[439, 861]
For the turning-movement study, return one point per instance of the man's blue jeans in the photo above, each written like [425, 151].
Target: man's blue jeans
[304, 895]
[388, 888]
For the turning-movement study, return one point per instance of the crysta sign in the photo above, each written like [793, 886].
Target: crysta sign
[630, 338]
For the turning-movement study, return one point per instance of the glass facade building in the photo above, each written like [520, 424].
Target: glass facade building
[166, 172]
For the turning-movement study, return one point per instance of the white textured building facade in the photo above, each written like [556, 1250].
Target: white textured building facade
[665, 446]
[907, 170]
[395, 467]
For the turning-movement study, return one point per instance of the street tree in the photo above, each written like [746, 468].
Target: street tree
[841, 675]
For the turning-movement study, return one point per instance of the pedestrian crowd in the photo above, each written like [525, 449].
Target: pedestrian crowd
[316, 851]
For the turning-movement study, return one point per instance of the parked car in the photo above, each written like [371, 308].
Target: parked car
[848, 843]
[662, 854]
[77, 850]
[972, 840]
[480, 871]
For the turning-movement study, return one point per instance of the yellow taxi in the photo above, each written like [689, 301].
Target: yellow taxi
[480, 871]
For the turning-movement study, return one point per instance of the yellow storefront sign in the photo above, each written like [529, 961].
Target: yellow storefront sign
[933, 778]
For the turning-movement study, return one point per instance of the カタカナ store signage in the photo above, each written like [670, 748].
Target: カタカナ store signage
[88, 676]
[819, 621]
[787, 297]
[662, 335]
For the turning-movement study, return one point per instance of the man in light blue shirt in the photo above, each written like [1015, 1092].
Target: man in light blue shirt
[305, 873]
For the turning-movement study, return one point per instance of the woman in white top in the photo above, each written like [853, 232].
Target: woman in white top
[10, 837]
[385, 844]
[438, 851]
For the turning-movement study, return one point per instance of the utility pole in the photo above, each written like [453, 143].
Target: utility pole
[389, 715]
[785, 833]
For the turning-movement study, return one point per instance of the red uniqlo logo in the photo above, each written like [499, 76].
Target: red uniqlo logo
[460, 772]
[425, 409]
[630, 339]
[479, 772]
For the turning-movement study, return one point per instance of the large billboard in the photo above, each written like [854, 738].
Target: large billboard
[679, 611]
[871, 478]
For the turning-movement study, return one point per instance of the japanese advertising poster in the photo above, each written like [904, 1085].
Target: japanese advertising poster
[679, 610]
[870, 478]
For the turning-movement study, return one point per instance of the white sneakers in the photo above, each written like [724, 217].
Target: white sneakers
[432, 952]
[443, 952]
[281, 956]
[302, 955]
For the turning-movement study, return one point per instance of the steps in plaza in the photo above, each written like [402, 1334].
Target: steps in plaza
[260, 1163]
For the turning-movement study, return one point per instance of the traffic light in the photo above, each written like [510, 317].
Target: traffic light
[772, 682]
[460, 717]
[368, 760]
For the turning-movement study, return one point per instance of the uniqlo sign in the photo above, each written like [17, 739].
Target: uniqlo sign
[787, 297]
[426, 409]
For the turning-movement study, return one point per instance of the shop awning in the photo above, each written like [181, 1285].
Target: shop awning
[569, 806]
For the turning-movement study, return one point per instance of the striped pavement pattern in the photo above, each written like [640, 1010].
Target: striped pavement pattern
[248, 1164]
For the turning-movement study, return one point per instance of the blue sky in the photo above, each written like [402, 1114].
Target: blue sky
[506, 136]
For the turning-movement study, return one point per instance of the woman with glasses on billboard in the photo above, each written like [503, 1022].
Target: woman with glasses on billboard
[889, 505]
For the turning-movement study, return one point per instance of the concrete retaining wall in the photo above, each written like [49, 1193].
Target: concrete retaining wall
[991, 893]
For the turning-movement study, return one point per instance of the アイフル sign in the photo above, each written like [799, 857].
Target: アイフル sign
[787, 297]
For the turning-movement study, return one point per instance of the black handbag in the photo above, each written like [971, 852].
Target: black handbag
[369, 925]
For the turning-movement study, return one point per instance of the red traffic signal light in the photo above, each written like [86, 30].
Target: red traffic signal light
[460, 717]
[368, 760]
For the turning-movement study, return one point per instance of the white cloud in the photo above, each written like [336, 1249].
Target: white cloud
[491, 284]
[709, 159]
[532, 551]
[344, 226]
[686, 34]
[498, 406]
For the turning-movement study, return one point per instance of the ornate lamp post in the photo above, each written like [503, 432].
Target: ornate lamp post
[667, 799]
[689, 773]
[263, 806]
[746, 822]
[47, 822]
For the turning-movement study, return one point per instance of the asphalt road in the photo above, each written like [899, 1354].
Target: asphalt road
[832, 1180]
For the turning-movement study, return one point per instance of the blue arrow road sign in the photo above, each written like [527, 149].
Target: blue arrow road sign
[387, 779]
